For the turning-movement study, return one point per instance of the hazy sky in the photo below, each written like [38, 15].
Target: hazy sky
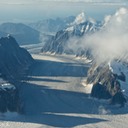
[37, 1]
[33, 10]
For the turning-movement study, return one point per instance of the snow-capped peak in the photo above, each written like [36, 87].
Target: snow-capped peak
[80, 18]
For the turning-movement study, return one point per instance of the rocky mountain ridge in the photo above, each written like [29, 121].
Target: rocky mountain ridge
[14, 63]
[78, 28]
[109, 80]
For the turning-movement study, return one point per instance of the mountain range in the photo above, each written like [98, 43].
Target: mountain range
[79, 27]
[108, 78]
[22, 33]
[51, 26]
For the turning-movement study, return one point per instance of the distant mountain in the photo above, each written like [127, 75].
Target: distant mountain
[52, 25]
[23, 33]
[79, 27]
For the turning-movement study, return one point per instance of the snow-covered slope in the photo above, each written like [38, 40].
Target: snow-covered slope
[80, 18]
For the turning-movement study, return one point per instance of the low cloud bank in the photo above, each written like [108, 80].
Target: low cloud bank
[111, 41]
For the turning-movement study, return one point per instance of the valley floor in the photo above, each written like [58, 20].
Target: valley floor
[54, 96]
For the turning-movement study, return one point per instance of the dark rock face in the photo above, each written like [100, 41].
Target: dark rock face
[118, 98]
[99, 91]
[14, 62]
[23, 33]
[9, 98]
[106, 84]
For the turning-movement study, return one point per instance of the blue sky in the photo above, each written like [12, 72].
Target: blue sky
[33, 10]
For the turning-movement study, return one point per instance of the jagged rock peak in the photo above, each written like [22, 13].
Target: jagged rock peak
[80, 18]
[14, 60]
[8, 37]
[8, 40]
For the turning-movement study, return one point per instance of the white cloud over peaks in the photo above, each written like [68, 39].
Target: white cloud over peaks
[112, 41]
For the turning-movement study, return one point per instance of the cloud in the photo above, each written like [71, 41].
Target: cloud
[112, 41]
